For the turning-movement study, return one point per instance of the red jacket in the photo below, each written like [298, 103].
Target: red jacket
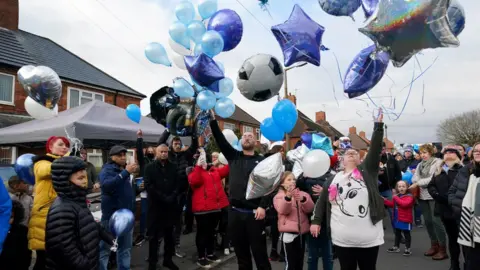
[404, 205]
[207, 188]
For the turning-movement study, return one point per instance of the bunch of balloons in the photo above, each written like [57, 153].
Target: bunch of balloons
[43, 88]
[309, 162]
[283, 120]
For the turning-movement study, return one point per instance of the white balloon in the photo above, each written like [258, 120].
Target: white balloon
[37, 111]
[178, 48]
[222, 159]
[178, 60]
[315, 163]
[230, 136]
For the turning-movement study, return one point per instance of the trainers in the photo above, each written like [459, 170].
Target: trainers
[213, 258]
[393, 250]
[139, 240]
[179, 253]
[170, 265]
[226, 252]
[407, 252]
[203, 263]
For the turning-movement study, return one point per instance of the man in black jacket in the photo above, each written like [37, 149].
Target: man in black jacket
[181, 159]
[160, 179]
[246, 217]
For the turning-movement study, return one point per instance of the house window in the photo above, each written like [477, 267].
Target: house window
[7, 89]
[258, 134]
[94, 156]
[130, 156]
[8, 155]
[77, 97]
[229, 126]
[247, 129]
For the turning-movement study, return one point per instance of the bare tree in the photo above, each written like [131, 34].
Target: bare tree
[461, 128]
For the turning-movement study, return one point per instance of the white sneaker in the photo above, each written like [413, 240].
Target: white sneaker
[226, 252]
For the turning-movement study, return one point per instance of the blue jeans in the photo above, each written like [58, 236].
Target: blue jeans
[143, 215]
[320, 246]
[123, 251]
[388, 195]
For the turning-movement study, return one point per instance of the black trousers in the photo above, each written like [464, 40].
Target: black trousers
[163, 232]
[452, 232]
[364, 258]
[205, 237]
[247, 233]
[188, 212]
[178, 226]
[223, 228]
[472, 257]
[40, 262]
[295, 253]
[398, 238]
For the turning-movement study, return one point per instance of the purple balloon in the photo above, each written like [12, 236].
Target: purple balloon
[307, 139]
[300, 38]
[203, 69]
[229, 25]
[369, 7]
[365, 71]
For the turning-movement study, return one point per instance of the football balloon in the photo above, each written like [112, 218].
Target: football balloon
[260, 77]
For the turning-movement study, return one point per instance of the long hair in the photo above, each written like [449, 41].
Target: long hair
[475, 166]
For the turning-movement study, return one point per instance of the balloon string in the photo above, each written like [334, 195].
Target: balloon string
[423, 85]
[77, 144]
[409, 92]
[333, 85]
[246, 9]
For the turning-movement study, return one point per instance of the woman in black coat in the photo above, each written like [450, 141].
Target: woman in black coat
[72, 235]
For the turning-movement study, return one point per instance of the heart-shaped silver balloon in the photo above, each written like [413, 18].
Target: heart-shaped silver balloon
[42, 84]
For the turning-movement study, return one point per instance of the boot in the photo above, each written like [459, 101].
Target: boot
[432, 251]
[441, 254]
[454, 265]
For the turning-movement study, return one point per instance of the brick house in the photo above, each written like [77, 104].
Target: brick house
[242, 121]
[82, 82]
[304, 123]
[362, 143]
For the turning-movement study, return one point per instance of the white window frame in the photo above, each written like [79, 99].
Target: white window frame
[80, 90]
[258, 134]
[12, 103]
[225, 124]
[96, 153]
[247, 129]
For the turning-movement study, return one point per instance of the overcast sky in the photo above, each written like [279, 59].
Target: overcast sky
[112, 35]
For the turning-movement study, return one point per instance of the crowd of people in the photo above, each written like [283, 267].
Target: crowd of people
[179, 185]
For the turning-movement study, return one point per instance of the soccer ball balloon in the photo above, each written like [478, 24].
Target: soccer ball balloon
[260, 77]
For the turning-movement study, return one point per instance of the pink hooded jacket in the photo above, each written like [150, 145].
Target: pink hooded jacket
[288, 213]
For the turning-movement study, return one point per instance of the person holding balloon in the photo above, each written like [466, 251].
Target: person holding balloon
[72, 236]
[45, 194]
[352, 207]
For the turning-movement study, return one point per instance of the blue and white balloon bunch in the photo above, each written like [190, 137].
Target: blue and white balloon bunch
[283, 120]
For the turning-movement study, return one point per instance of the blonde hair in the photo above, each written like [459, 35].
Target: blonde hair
[427, 148]
[284, 176]
[406, 183]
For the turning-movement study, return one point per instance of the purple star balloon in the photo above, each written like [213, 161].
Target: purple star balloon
[203, 69]
[369, 7]
[300, 38]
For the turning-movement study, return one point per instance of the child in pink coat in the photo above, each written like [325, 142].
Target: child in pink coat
[293, 207]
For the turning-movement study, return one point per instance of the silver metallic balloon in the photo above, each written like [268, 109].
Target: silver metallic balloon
[297, 169]
[265, 177]
[42, 84]
[121, 222]
[297, 154]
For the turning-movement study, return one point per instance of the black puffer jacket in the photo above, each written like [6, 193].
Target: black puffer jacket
[306, 183]
[457, 191]
[438, 189]
[72, 235]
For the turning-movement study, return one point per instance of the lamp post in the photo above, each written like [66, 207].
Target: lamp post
[285, 88]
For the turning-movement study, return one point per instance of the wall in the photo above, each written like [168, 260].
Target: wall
[20, 96]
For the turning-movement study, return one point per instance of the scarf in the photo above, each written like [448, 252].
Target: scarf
[470, 217]
[424, 167]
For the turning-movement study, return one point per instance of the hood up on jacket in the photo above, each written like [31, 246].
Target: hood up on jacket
[62, 169]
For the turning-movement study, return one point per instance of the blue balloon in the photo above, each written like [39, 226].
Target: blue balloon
[304, 38]
[121, 222]
[365, 71]
[155, 53]
[340, 7]
[178, 32]
[185, 12]
[238, 145]
[369, 7]
[206, 100]
[212, 43]
[456, 17]
[206, 8]
[306, 139]
[24, 168]
[195, 31]
[203, 69]
[229, 25]
[224, 87]
[322, 142]
[225, 107]
[407, 177]
[183, 88]
[134, 113]
[198, 49]
[270, 130]
[285, 115]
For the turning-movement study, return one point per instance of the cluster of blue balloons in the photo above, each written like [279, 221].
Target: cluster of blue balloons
[134, 113]
[283, 120]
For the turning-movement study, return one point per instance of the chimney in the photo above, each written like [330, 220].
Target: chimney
[9, 14]
[362, 134]
[352, 130]
[292, 98]
[320, 116]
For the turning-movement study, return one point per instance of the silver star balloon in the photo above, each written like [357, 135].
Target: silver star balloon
[405, 27]
[265, 177]
[297, 154]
